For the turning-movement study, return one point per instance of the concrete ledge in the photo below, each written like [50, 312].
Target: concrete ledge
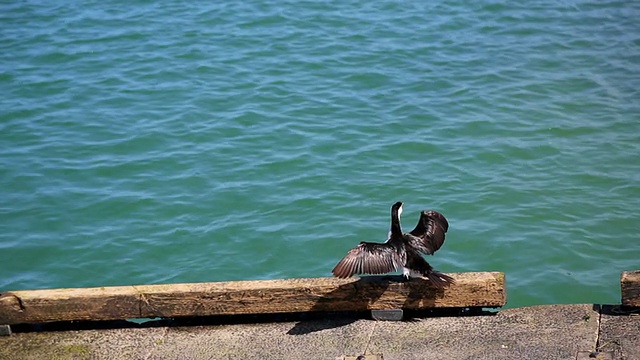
[539, 332]
[620, 332]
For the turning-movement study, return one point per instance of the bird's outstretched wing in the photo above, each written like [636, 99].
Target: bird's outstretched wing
[428, 235]
[368, 258]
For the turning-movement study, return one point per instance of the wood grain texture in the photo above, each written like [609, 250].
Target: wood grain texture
[484, 289]
[630, 285]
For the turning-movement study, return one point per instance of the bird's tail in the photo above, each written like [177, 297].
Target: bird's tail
[439, 279]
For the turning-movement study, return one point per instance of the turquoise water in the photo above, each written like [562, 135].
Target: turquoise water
[195, 141]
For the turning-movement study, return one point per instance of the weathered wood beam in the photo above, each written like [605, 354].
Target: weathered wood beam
[630, 284]
[486, 289]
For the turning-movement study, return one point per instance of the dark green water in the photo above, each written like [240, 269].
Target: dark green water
[205, 141]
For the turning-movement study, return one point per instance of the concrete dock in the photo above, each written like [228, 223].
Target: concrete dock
[540, 332]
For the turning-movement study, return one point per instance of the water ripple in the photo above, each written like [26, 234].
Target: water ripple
[177, 142]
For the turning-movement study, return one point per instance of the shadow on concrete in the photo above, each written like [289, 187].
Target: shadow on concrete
[367, 290]
[185, 321]
[615, 310]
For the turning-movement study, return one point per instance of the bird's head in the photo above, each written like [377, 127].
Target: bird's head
[397, 207]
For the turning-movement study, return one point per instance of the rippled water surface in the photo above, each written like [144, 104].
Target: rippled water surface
[208, 141]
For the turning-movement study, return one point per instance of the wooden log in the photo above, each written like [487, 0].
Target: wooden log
[485, 289]
[630, 284]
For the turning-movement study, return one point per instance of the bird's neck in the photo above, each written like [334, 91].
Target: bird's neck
[395, 223]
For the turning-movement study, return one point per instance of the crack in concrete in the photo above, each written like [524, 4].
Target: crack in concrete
[599, 320]
[373, 328]
[156, 343]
